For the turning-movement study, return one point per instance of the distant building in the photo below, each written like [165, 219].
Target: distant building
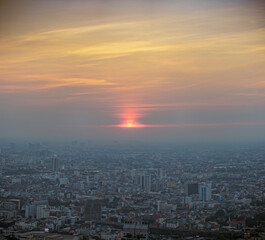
[63, 181]
[191, 188]
[159, 206]
[205, 193]
[42, 212]
[161, 173]
[16, 202]
[134, 231]
[144, 181]
[92, 209]
[55, 164]
[30, 211]
[187, 200]
[16, 180]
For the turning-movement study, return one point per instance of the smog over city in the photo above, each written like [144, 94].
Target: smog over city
[132, 119]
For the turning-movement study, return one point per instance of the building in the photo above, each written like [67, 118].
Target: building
[205, 193]
[161, 173]
[135, 231]
[92, 209]
[55, 164]
[159, 206]
[16, 202]
[63, 181]
[144, 181]
[42, 212]
[30, 211]
[191, 188]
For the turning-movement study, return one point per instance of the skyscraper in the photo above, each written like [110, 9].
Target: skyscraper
[144, 181]
[93, 209]
[191, 188]
[205, 193]
[55, 164]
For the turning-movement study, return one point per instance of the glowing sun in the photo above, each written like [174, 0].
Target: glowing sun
[130, 124]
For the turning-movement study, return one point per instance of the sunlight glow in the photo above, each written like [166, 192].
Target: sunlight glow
[130, 124]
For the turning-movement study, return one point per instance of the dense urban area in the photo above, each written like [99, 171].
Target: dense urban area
[83, 190]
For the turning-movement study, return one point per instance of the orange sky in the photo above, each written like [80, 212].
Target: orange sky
[70, 65]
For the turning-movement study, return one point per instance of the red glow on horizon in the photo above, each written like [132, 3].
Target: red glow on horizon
[130, 124]
[129, 118]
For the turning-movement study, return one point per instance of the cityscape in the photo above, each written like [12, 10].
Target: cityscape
[82, 190]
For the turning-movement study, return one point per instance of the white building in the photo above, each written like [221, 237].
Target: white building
[30, 211]
[42, 211]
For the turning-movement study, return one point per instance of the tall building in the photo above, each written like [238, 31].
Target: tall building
[159, 206]
[30, 211]
[161, 173]
[191, 188]
[55, 164]
[42, 212]
[144, 181]
[92, 209]
[205, 193]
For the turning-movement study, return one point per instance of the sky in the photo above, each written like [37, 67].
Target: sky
[146, 70]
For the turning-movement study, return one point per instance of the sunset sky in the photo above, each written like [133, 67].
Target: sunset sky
[169, 70]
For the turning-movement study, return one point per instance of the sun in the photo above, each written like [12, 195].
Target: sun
[130, 124]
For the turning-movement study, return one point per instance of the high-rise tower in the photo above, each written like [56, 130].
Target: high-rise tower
[55, 164]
